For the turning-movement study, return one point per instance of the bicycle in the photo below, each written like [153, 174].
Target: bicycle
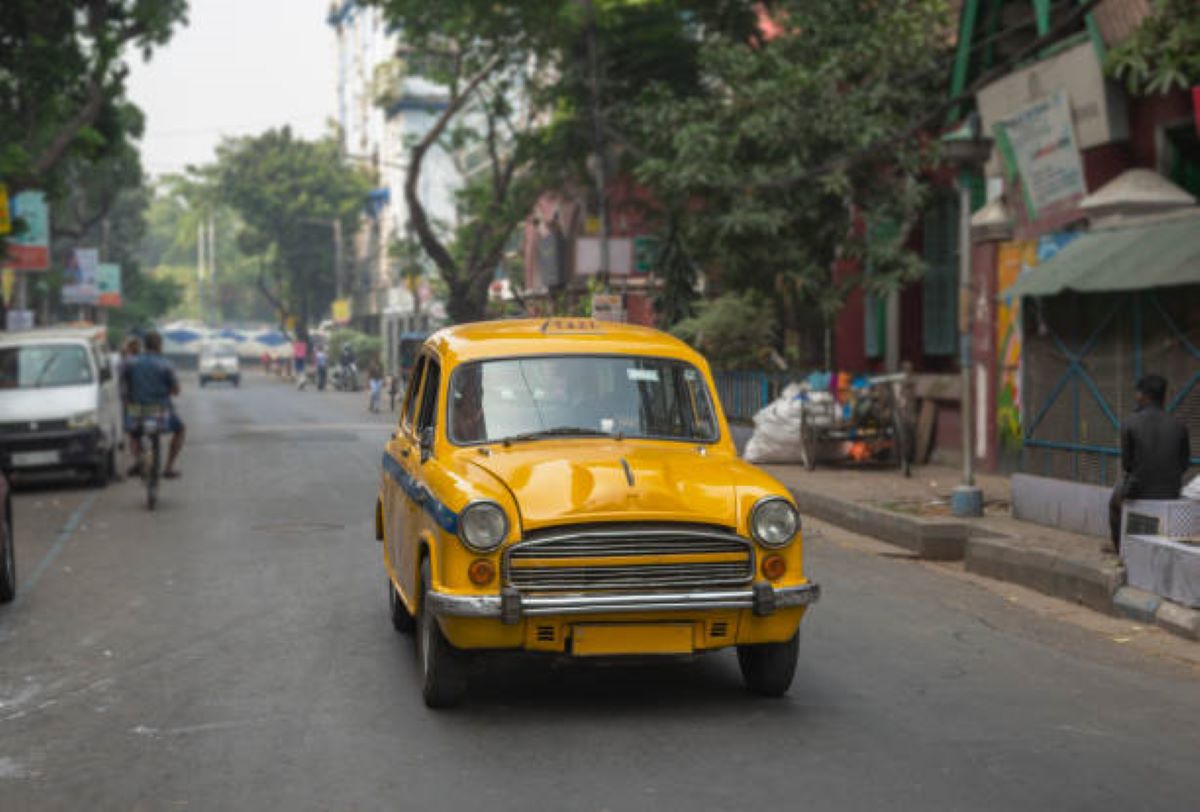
[150, 422]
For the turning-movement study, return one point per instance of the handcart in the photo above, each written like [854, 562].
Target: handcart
[872, 422]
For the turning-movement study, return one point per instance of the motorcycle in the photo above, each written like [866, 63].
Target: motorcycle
[345, 377]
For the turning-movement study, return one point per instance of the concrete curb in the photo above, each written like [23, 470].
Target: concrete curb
[937, 540]
[1178, 620]
[1084, 582]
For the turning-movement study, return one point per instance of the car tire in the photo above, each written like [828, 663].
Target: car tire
[768, 668]
[402, 619]
[443, 670]
[8, 559]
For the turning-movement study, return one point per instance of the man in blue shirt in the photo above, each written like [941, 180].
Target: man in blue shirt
[150, 381]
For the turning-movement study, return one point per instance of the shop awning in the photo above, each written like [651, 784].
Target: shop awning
[1131, 258]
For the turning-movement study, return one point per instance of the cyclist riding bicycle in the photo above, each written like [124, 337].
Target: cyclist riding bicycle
[150, 381]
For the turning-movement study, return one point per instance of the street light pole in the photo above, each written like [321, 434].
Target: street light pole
[965, 149]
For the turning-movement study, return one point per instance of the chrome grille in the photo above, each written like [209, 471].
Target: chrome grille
[671, 544]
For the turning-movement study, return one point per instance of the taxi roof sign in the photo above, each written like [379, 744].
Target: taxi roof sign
[571, 325]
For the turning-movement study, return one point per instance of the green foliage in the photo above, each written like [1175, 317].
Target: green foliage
[287, 192]
[367, 349]
[62, 81]
[734, 331]
[1163, 54]
[762, 148]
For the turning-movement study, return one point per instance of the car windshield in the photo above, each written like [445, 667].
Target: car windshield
[42, 365]
[221, 351]
[520, 399]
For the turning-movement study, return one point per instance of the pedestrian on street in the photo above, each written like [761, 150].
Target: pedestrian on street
[1155, 453]
[322, 361]
[299, 358]
[375, 382]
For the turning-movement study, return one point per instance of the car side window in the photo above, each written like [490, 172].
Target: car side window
[410, 395]
[428, 416]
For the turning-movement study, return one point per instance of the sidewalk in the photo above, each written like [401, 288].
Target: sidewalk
[914, 513]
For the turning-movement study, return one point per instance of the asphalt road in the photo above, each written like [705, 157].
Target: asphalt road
[232, 651]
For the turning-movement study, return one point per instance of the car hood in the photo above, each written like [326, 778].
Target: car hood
[571, 482]
[47, 403]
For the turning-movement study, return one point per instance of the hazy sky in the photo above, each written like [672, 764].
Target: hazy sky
[239, 67]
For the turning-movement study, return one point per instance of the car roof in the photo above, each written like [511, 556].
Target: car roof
[555, 335]
[43, 334]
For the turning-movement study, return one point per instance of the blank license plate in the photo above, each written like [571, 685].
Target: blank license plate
[32, 459]
[602, 639]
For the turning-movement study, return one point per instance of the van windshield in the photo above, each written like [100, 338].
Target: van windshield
[43, 365]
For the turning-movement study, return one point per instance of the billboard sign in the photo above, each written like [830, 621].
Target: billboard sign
[608, 307]
[30, 250]
[5, 217]
[108, 282]
[341, 311]
[1038, 144]
[79, 280]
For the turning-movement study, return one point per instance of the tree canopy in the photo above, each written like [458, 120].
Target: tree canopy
[1163, 54]
[62, 80]
[288, 192]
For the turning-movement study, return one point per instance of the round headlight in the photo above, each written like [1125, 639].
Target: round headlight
[482, 526]
[774, 521]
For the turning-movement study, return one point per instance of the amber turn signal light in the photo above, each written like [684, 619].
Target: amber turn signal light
[773, 567]
[481, 572]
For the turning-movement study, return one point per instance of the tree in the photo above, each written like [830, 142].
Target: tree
[733, 331]
[837, 78]
[1163, 54]
[534, 86]
[288, 192]
[62, 80]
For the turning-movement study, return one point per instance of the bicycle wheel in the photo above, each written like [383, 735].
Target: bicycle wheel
[151, 470]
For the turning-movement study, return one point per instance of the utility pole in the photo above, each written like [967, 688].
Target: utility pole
[200, 265]
[598, 168]
[212, 263]
[339, 282]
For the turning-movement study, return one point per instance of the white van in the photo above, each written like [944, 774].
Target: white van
[219, 362]
[60, 405]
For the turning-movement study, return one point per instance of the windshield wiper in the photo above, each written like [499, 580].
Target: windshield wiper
[557, 431]
[45, 368]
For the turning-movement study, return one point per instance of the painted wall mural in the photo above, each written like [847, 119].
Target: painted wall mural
[1013, 257]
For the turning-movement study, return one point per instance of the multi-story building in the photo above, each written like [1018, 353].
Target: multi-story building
[385, 104]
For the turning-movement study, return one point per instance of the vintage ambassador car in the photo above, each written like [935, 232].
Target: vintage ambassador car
[569, 486]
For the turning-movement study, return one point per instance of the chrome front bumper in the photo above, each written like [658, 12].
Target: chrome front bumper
[510, 606]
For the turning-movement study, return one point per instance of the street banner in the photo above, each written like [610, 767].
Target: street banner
[30, 250]
[341, 311]
[1038, 145]
[108, 282]
[5, 217]
[79, 281]
[8, 283]
[608, 307]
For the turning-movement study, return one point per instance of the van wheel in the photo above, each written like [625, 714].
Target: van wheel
[8, 559]
[402, 620]
[768, 668]
[443, 670]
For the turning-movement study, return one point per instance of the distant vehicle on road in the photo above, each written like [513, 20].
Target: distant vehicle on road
[219, 362]
[570, 487]
[60, 407]
[8, 555]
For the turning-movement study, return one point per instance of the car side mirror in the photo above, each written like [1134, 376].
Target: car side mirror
[426, 443]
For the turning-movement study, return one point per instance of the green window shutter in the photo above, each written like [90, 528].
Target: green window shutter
[875, 307]
[939, 297]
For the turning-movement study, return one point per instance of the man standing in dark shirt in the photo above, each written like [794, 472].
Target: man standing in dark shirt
[1155, 453]
[151, 382]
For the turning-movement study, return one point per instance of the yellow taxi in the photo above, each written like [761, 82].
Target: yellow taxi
[569, 486]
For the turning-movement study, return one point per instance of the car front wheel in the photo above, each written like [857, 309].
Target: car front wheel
[768, 668]
[8, 560]
[443, 669]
